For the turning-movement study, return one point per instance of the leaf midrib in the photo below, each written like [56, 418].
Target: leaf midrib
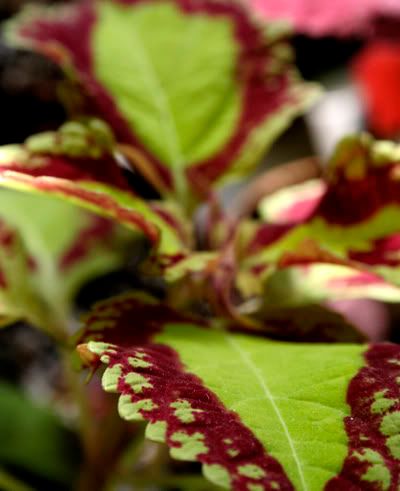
[270, 398]
[164, 110]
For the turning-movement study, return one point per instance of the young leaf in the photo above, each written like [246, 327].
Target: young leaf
[77, 164]
[325, 418]
[293, 204]
[200, 89]
[342, 243]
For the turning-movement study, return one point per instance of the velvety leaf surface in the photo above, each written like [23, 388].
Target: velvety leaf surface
[76, 164]
[199, 88]
[324, 417]
[337, 238]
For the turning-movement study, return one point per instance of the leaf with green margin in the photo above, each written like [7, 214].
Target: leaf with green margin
[316, 282]
[72, 165]
[361, 203]
[34, 440]
[201, 88]
[337, 238]
[273, 426]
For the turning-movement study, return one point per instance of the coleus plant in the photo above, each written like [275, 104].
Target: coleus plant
[224, 365]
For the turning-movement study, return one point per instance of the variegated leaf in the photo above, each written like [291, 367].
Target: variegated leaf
[294, 416]
[77, 164]
[337, 238]
[200, 90]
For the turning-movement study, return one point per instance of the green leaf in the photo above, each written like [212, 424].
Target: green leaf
[200, 89]
[19, 297]
[62, 257]
[33, 438]
[292, 417]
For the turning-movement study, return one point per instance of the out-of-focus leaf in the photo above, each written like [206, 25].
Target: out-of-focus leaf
[200, 89]
[76, 164]
[173, 215]
[10, 483]
[200, 263]
[323, 419]
[293, 204]
[324, 18]
[19, 297]
[34, 440]
[306, 323]
[346, 245]
[66, 246]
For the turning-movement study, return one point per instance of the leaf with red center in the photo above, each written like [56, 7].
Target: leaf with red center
[271, 427]
[376, 71]
[199, 88]
[293, 204]
[76, 164]
[345, 245]
[325, 18]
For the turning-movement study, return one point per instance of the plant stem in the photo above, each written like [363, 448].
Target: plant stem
[273, 180]
[141, 163]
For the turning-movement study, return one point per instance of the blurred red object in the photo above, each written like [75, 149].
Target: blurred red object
[371, 317]
[324, 17]
[376, 71]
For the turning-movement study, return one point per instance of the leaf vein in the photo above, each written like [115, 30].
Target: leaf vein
[268, 395]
